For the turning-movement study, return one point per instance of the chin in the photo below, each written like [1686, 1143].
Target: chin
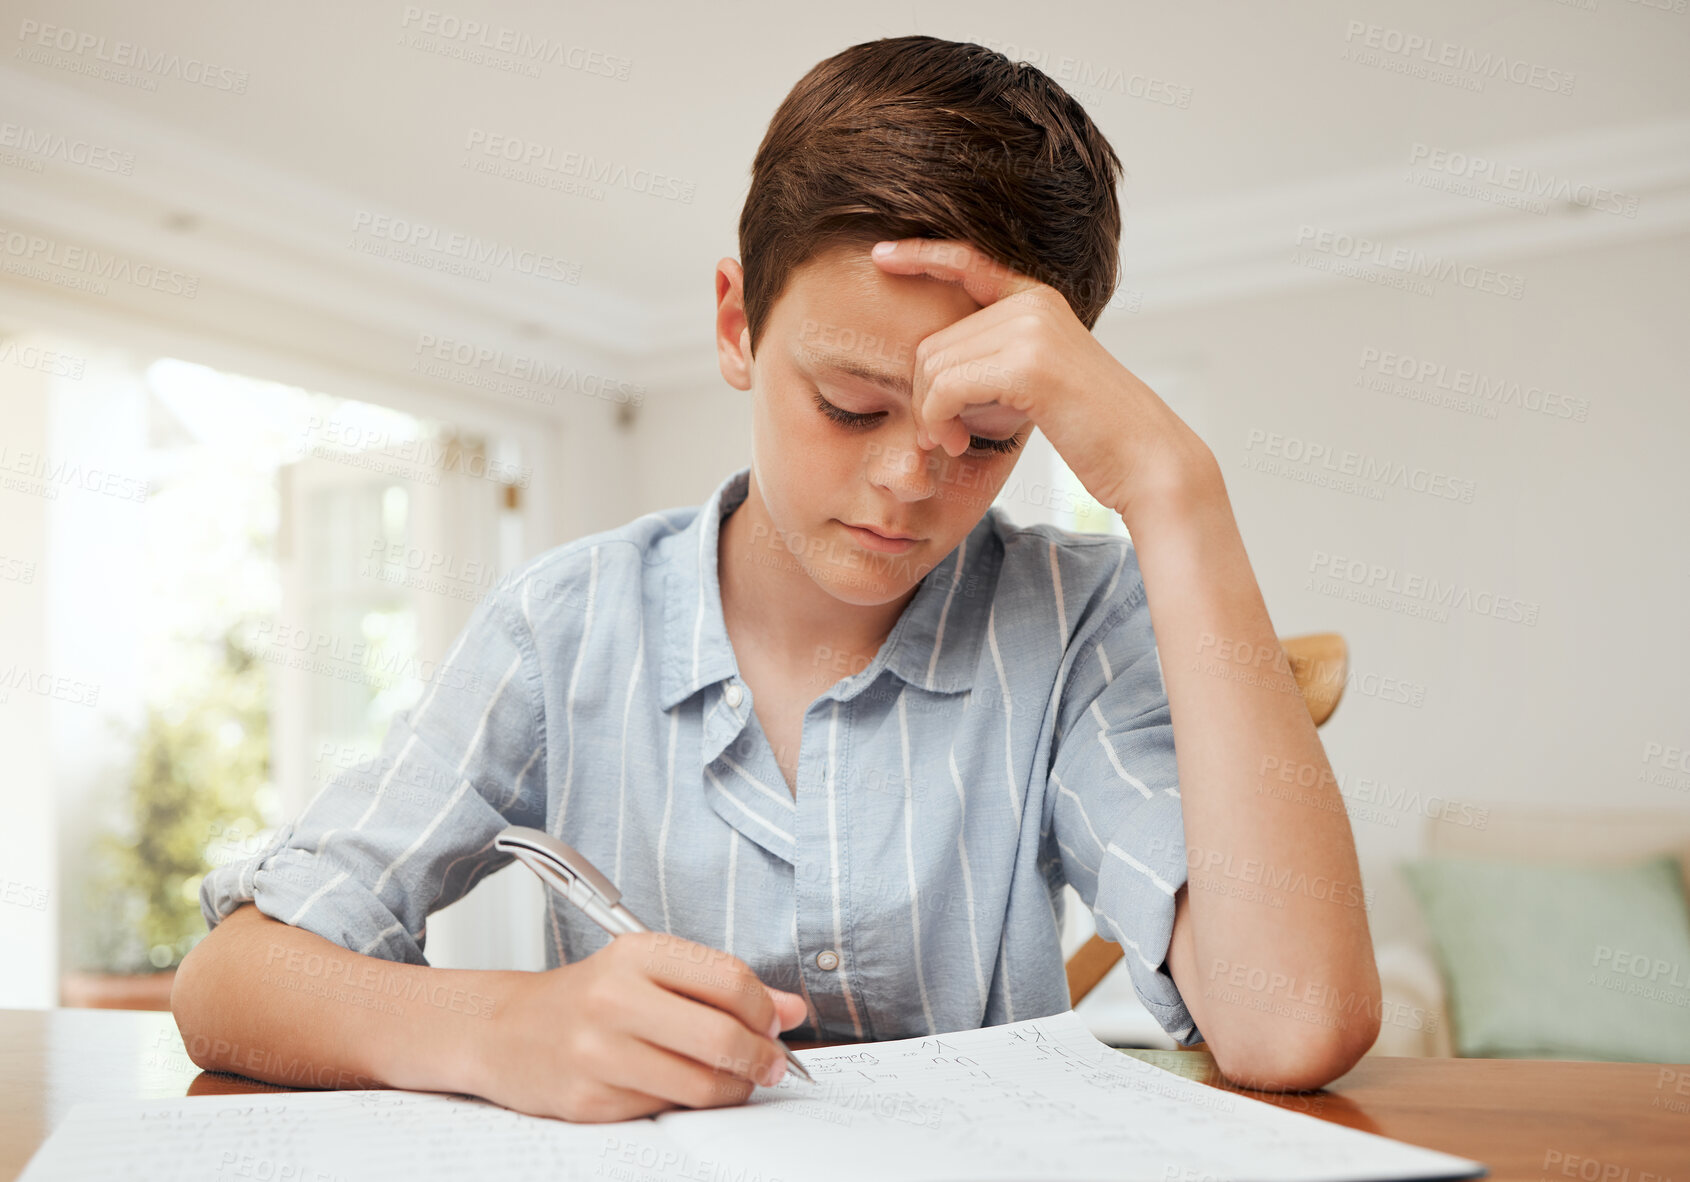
[859, 586]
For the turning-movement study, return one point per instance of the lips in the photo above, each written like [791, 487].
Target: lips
[888, 534]
[869, 538]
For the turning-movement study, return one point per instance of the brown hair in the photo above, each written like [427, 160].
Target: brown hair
[915, 137]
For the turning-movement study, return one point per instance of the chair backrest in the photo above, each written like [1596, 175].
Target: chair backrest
[1320, 663]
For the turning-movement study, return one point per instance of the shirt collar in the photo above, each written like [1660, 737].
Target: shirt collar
[948, 611]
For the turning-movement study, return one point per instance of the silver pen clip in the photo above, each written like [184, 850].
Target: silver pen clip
[571, 875]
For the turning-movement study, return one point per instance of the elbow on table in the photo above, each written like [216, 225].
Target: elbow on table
[200, 989]
[190, 993]
[1297, 1060]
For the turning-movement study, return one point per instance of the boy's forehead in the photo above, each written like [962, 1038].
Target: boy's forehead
[842, 298]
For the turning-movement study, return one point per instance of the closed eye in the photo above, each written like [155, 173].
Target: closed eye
[846, 418]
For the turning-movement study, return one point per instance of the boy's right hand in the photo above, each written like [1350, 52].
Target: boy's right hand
[648, 1022]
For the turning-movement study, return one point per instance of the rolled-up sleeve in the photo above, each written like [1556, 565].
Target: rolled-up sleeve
[1113, 800]
[393, 838]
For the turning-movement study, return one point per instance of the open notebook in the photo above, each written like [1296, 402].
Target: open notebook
[1036, 1099]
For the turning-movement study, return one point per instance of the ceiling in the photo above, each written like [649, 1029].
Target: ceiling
[354, 113]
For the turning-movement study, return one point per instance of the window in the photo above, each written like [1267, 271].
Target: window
[257, 581]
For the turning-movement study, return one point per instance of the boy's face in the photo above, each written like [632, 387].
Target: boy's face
[815, 477]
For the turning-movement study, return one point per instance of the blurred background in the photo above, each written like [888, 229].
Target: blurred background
[316, 319]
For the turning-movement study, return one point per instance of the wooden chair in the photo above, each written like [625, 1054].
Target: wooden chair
[1320, 663]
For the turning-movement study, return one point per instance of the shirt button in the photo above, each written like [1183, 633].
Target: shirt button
[733, 694]
[827, 960]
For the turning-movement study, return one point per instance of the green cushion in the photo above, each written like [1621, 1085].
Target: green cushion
[1561, 962]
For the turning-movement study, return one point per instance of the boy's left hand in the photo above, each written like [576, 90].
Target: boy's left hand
[1025, 355]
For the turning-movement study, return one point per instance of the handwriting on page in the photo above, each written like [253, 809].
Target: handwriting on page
[1035, 1099]
[336, 1137]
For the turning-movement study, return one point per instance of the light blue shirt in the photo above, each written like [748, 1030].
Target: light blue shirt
[1011, 734]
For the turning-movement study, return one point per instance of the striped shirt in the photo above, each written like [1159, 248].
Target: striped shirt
[945, 792]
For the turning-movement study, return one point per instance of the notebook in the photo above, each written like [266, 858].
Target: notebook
[1038, 1099]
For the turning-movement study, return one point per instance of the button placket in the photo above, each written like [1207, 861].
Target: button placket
[730, 762]
[825, 930]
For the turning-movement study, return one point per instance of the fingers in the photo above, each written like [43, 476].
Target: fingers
[947, 259]
[593, 1102]
[934, 403]
[953, 261]
[964, 388]
[790, 1007]
[705, 974]
[711, 1039]
[646, 1023]
[677, 1079]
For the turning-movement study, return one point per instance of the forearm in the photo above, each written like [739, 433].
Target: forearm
[277, 1003]
[1277, 965]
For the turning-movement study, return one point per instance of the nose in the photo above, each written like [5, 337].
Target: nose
[903, 468]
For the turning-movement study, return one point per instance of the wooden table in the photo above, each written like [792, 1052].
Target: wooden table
[1526, 1119]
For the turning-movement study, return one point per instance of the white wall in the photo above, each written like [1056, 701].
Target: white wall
[1584, 519]
[28, 855]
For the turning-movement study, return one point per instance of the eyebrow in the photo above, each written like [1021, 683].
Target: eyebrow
[889, 379]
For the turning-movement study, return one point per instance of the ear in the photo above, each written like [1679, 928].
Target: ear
[733, 331]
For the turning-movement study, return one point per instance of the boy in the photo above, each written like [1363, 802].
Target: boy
[842, 733]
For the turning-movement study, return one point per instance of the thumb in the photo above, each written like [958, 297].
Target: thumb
[789, 1008]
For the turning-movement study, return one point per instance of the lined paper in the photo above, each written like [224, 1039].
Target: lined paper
[1038, 1099]
[346, 1136]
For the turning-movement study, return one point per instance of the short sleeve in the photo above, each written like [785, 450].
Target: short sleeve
[1113, 802]
[392, 839]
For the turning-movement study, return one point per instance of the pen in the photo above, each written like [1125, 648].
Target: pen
[579, 881]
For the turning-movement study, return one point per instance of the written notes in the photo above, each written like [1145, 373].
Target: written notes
[347, 1136]
[1034, 1099]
